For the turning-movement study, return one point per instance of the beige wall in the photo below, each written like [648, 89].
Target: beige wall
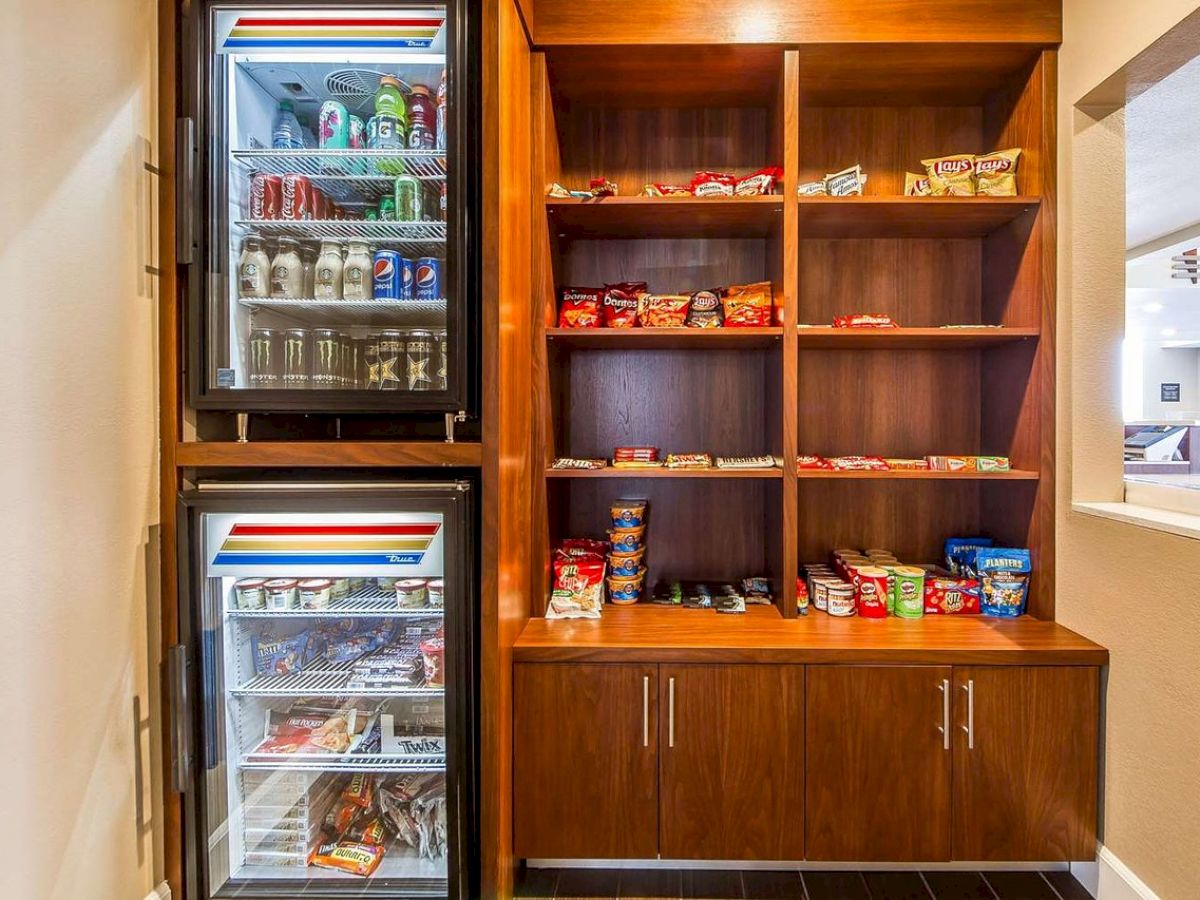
[1131, 589]
[77, 449]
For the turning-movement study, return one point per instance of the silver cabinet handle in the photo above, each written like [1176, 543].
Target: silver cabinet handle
[944, 728]
[969, 728]
[670, 712]
[645, 710]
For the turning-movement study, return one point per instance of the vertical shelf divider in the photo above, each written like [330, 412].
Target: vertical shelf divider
[789, 117]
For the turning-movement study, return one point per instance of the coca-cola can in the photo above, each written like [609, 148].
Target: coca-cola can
[297, 198]
[339, 213]
[321, 205]
[266, 196]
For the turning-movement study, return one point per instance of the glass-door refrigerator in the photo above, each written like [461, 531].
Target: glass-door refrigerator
[328, 174]
[323, 733]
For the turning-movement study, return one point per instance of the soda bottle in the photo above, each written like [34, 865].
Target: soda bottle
[422, 119]
[286, 133]
[441, 113]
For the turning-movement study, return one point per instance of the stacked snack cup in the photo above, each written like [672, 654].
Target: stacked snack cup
[627, 549]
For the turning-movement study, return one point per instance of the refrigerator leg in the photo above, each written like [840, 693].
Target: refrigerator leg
[243, 428]
[451, 418]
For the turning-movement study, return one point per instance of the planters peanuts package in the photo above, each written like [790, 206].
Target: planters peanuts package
[1004, 573]
[960, 554]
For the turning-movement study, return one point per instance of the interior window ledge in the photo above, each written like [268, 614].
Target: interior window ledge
[1183, 524]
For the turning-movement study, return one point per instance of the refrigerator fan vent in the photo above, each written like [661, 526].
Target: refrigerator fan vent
[356, 87]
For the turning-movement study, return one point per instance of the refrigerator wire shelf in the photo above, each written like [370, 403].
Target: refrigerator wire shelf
[363, 602]
[359, 165]
[367, 762]
[415, 238]
[326, 681]
[335, 313]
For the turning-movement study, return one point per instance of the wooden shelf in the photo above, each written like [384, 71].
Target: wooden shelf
[648, 633]
[661, 472]
[908, 217]
[273, 454]
[665, 217]
[911, 338]
[920, 475]
[665, 338]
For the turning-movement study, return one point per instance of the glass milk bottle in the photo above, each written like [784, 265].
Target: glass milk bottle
[328, 284]
[254, 269]
[357, 274]
[287, 277]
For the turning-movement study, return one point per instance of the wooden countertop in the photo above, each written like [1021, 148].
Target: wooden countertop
[665, 634]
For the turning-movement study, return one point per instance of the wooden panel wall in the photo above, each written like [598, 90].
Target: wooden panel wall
[508, 466]
[790, 22]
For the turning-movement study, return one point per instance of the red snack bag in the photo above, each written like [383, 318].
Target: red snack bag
[760, 182]
[622, 303]
[583, 547]
[648, 454]
[348, 856]
[578, 588]
[602, 187]
[579, 307]
[747, 305]
[659, 189]
[813, 462]
[360, 791]
[713, 184]
[865, 320]
[665, 310]
[951, 596]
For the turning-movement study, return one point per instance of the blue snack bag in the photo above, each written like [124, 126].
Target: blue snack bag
[1004, 573]
[959, 551]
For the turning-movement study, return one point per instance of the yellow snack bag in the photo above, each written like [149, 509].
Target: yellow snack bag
[951, 175]
[996, 173]
[916, 185]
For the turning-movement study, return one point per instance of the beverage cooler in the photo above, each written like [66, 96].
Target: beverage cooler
[323, 735]
[327, 206]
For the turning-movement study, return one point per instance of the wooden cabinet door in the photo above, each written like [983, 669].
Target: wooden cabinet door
[731, 782]
[1025, 762]
[585, 761]
[877, 772]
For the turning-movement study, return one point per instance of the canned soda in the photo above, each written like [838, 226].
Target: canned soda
[408, 203]
[265, 363]
[387, 284]
[391, 360]
[327, 359]
[346, 348]
[441, 112]
[408, 274]
[358, 136]
[371, 214]
[371, 363]
[418, 361]
[428, 279]
[320, 205]
[440, 347]
[387, 209]
[356, 365]
[266, 196]
[333, 126]
[442, 203]
[297, 353]
[297, 198]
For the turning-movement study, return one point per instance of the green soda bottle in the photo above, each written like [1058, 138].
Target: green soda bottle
[391, 122]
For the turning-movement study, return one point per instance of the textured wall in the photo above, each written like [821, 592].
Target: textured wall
[77, 449]
[1131, 589]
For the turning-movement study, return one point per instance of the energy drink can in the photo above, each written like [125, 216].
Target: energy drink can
[418, 356]
[327, 359]
[391, 360]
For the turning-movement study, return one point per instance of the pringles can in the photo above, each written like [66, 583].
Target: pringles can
[870, 592]
[909, 592]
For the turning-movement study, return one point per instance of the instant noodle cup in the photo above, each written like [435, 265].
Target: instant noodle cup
[625, 590]
[628, 513]
[626, 564]
[627, 540]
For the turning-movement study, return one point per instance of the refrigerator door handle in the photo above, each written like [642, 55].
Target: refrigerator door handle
[181, 750]
[185, 187]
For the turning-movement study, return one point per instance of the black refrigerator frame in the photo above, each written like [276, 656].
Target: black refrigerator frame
[201, 244]
[188, 732]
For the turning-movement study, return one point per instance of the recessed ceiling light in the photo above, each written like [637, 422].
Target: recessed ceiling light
[1168, 332]
[1152, 307]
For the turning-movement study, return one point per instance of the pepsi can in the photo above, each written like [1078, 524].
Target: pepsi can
[428, 279]
[408, 275]
[388, 279]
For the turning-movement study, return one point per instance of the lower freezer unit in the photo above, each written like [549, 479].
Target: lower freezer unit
[327, 747]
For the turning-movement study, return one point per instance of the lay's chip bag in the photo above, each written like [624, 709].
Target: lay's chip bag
[996, 173]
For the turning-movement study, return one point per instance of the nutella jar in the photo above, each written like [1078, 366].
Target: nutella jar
[840, 598]
[250, 593]
[281, 593]
[315, 593]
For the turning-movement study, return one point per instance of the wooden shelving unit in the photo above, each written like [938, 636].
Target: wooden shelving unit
[711, 474]
[274, 454]
[982, 264]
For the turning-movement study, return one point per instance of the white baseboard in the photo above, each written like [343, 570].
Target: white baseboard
[162, 892]
[1116, 881]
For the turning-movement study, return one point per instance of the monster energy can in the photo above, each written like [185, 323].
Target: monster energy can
[327, 359]
[297, 355]
[418, 361]
[266, 358]
[440, 347]
[345, 362]
[391, 360]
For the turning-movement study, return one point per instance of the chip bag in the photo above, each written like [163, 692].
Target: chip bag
[622, 304]
[705, 310]
[952, 176]
[665, 310]
[579, 307]
[917, 185]
[760, 182]
[747, 305]
[996, 173]
[1004, 574]
[578, 587]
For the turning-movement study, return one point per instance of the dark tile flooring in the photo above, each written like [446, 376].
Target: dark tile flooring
[675, 884]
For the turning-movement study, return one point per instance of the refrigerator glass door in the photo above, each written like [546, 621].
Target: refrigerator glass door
[323, 758]
[333, 201]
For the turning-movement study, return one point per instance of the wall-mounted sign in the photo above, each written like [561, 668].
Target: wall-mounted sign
[1169, 392]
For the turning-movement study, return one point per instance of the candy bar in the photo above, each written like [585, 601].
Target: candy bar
[567, 462]
[811, 189]
[745, 462]
[858, 463]
[666, 190]
[689, 461]
[713, 184]
[865, 320]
